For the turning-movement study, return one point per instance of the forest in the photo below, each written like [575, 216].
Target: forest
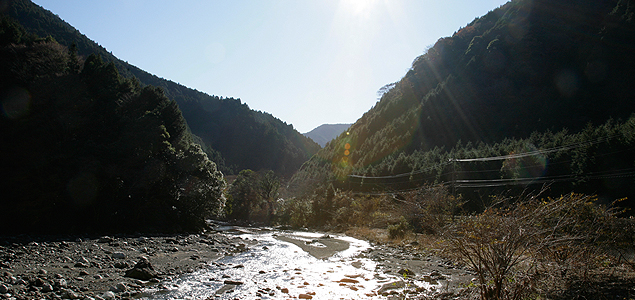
[87, 150]
[225, 127]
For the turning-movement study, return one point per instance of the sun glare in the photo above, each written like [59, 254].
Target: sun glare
[359, 8]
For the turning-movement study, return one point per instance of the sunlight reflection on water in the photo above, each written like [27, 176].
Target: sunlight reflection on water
[275, 269]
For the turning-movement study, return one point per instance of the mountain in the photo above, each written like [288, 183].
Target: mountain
[524, 76]
[326, 132]
[86, 150]
[231, 133]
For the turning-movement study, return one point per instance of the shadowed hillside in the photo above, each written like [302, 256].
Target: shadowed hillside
[232, 134]
[517, 75]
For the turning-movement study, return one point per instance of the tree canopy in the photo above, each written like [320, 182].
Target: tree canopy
[87, 150]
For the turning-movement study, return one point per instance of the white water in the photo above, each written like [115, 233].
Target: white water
[271, 265]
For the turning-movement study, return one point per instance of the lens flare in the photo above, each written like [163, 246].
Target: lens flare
[530, 166]
[16, 103]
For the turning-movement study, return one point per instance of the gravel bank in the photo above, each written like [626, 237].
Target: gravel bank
[96, 267]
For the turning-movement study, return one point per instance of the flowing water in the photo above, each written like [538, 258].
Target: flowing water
[275, 269]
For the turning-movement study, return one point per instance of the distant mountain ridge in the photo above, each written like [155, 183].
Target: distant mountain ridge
[326, 132]
[233, 135]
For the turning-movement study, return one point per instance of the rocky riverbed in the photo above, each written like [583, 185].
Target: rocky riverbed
[129, 267]
[46, 267]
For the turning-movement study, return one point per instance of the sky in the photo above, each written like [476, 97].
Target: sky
[306, 62]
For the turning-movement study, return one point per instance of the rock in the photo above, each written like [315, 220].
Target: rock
[38, 282]
[83, 273]
[4, 289]
[429, 280]
[391, 286]
[46, 288]
[284, 290]
[232, 282]
[121, 265]
[119, 255]
[225, 289]
[69, 294]
[305, 296]
[406, 272]
[143, 270]
[105, 239]
[60, 283]
[108, 295]
[119, 288]
[348, 280]
[437, 275]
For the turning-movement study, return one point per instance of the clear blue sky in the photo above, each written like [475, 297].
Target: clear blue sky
[307, 62]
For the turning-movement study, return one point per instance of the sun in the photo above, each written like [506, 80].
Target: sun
[359, 8]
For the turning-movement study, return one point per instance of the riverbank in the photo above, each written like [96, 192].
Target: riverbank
[53, 267]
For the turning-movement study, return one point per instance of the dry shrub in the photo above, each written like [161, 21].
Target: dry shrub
[399, 230]
[431, 208]
[519, 247]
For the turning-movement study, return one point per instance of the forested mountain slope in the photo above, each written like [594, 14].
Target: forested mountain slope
[87, 150]
[233, 135]
[529, 66]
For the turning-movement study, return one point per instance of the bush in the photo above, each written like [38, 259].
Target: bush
[399, 230]
[517, 244]
[431, 208]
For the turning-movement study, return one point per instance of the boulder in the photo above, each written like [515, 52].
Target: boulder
[143, 270]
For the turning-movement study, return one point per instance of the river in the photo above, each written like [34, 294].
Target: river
[274, 266]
